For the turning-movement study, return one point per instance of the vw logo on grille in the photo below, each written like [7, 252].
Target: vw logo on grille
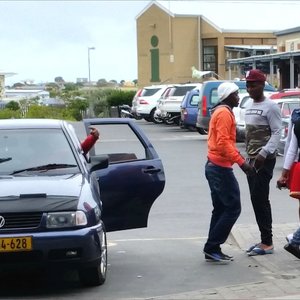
[2, 221]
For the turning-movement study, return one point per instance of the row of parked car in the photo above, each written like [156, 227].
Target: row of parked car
[161, 103]
[189, 105]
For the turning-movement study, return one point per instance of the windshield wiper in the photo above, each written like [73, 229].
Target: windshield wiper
[4, 159]
[44, 168]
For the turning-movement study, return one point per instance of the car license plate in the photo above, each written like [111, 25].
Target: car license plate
[22, 243]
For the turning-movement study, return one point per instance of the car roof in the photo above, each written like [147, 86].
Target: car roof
[284, 94]
[31, 123]
[289, 100]
[239, 83]
[156, 86]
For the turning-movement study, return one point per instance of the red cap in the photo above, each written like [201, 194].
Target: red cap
[255, 75]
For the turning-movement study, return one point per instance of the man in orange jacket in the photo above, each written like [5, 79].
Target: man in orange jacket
[222, 154]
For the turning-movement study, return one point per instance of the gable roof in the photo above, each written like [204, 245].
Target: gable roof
[189, 11]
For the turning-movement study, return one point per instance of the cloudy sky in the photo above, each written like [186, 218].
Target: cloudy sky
[40, 40]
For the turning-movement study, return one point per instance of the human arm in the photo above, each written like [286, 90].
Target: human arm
[274, 122]
[90, 140]
[225, 129]
[290, 155]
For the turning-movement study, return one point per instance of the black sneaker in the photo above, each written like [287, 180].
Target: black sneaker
[293, 249]
[217, 257]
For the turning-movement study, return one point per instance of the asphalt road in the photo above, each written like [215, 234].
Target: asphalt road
[166, 257]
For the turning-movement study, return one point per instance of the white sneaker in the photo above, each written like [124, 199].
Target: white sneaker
[289, 237]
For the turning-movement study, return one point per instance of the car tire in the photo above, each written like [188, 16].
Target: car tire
[202, 131]
[155, 119]
[96, 275]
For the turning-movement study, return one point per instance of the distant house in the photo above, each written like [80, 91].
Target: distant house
[23, 94]
[53, 102]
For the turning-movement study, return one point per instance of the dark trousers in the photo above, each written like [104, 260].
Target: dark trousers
[259, 186]
[225, 196]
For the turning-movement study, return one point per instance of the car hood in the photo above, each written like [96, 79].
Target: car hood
[53, 193]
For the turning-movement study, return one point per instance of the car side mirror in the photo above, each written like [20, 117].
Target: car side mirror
[98, 162]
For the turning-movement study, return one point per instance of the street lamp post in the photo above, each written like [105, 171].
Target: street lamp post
[89, 65]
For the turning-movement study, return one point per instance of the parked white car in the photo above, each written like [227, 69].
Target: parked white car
[145, 105]
[169, 106]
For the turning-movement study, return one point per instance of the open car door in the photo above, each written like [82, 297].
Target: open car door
[134, 177]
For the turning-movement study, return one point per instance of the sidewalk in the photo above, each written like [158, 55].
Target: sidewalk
[281, 269]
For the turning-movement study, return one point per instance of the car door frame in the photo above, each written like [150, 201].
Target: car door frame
[128, 188]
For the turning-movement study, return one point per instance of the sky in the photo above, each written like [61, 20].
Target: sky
[40, 40]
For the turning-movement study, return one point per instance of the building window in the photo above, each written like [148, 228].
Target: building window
[210, 58]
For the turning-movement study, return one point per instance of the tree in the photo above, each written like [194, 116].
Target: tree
[59, 79]
[102, 82]
[12, 105]
[18, 84]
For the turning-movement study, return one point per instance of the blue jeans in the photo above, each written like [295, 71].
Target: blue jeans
[296, 237]
[225, 196]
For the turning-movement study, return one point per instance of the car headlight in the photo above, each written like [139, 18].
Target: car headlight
[66, 219]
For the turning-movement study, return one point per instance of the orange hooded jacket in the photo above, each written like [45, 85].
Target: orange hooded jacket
[222, 149]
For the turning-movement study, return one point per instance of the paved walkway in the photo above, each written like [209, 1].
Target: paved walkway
[281, 269]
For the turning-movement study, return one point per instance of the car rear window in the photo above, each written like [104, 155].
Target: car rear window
[214, 96]
[149, 92]
[182, 90]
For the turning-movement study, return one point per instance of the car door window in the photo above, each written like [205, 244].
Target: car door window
[120, 142]
[194, 100]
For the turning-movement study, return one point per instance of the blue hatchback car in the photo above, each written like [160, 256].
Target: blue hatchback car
[57, 203]
[189, 110]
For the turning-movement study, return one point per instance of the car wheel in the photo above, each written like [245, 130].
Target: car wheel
[94, 276]
[202, 130]
[155, 119]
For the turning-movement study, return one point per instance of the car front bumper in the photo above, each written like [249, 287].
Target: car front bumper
[73, 248]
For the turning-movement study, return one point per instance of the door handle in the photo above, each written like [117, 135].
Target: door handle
[151, 170]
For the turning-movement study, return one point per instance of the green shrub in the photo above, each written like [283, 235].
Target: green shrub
[9, 114]
[119, 97]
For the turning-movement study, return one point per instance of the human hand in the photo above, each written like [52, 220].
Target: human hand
[281, 183]
[94, 131]
[247, 169]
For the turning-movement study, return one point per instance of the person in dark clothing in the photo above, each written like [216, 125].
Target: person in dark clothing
[263, 126]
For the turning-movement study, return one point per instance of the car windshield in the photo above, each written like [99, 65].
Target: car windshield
[37, 151]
